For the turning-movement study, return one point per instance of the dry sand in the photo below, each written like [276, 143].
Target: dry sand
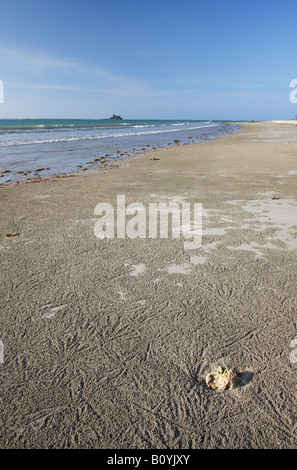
[107, 343]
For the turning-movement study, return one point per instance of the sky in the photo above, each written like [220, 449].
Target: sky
[177, 59]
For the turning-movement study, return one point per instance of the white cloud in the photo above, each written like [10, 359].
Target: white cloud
[38, 62]
[233, 94]
[38, 86]
[93, 79]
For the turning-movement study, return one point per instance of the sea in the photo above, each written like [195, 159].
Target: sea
[39, 148]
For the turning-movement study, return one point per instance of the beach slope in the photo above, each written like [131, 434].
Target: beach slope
[107, 342]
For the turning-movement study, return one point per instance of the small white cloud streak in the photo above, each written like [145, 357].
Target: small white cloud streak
[38, 62]
[35, 61]
[142, 91]
[235, 94]
[37, 86]
[132, 91]
[117, 85]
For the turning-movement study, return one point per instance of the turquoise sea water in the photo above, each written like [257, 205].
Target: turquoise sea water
[63, 146]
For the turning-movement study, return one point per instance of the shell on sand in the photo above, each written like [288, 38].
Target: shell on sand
[8, 235]
[222, 379]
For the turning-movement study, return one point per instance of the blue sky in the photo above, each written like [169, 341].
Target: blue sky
[162, 59]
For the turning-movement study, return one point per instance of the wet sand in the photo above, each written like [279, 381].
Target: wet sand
[107, 343]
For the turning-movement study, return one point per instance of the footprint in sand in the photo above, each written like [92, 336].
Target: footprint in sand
[122, 295]
[136, 269]
[52, 312]
[293, 354]
[1, 352]
[184, 268]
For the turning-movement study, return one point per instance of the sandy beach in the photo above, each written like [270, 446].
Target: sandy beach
[107, 342]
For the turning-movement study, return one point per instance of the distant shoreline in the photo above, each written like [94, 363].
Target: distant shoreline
[37, 149]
